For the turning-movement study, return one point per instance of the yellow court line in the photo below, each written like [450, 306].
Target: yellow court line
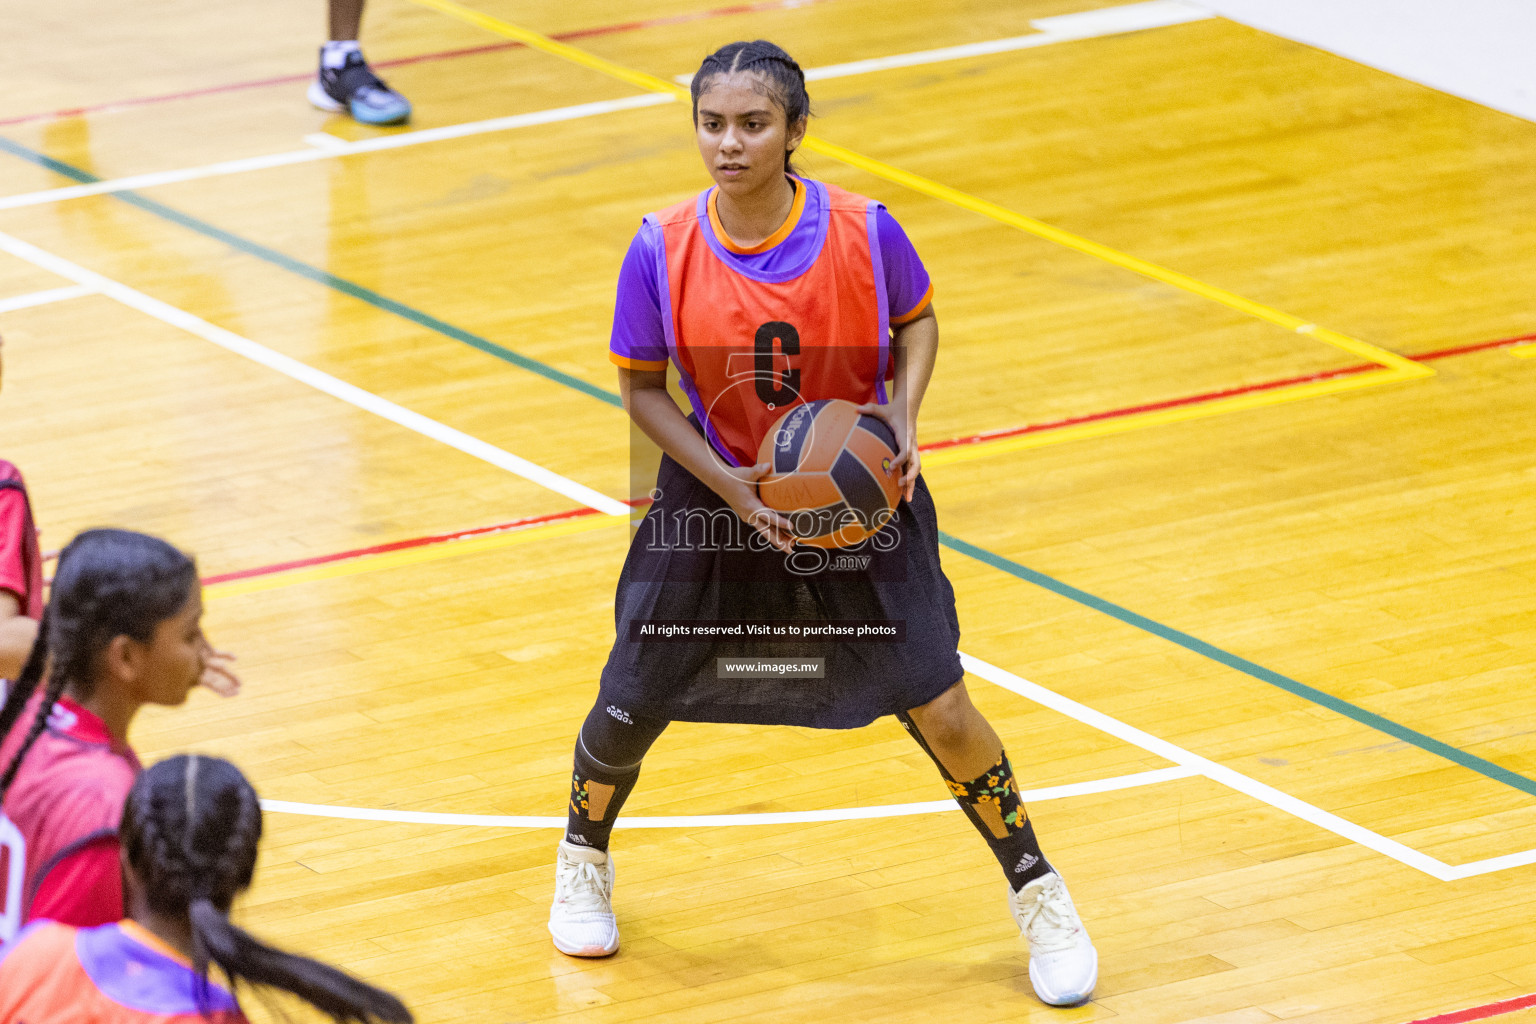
[574, 54]
[410, 556]
[1158, 417]
[1405, 369]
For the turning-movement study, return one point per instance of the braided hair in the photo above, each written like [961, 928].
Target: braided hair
[109, 583]
[782, 79]
[190, 830]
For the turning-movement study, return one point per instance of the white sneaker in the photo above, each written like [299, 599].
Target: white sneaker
[1063, 965]
[581, 919]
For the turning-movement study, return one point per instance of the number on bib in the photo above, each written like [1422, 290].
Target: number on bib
[768, 388]
[13, 874]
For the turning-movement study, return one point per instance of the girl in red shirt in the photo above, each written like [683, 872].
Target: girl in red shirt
[122, 629]
[189, 833]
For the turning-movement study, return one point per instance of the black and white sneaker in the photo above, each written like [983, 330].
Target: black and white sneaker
[354, 88]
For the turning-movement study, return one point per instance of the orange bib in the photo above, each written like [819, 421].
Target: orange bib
[750, 345]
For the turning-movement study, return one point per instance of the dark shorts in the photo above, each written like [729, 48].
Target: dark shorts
[688, 564]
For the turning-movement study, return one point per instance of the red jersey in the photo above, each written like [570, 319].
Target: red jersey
[21, 563]
[748, 344]
[112, 974]
[58, 832]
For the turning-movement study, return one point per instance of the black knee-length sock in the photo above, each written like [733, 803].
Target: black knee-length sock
[991, 801]
[609, 749]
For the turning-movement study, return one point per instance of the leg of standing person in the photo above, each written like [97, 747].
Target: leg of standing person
[345, 82]
[609, 748]
[1063, 965]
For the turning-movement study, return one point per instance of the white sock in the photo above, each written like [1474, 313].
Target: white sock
[333, 54]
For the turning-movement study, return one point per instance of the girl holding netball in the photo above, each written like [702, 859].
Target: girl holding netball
[190, 829]
[122, 629]
[767, 290]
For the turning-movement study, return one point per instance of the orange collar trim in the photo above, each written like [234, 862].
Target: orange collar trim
[795, 210]
[144, 937]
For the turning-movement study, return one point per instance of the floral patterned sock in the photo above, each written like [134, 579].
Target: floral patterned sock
[992, 803]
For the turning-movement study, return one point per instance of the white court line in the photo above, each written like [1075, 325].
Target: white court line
[1242, 783]
[320, 381]
[1061, 29]
[325, 140]
[1187, 765]
[1522, 859]
[328, 152]
[73, 291]
[1064, 28]
[705, 820]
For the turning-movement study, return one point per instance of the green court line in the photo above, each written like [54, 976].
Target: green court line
[1243, 665]
[319, 276]
[1368, 718]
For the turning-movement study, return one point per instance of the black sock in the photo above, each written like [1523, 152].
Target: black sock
[609, 749]
[991, 801]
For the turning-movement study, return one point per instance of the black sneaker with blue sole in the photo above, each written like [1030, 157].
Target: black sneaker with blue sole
[355, 89]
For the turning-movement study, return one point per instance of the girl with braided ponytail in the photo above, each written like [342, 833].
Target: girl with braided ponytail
[122, 629]
[763, 292]
[190, 829]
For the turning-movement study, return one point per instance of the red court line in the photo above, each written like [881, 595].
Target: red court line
[378, 549]
[1480, 1012]
[443, 538]
[399, 545]
[1211, 396]
[261, 83]
[1131, 410]
[1479, 347]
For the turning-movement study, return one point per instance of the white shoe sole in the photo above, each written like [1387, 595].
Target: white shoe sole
[584, 951]
[1062, 1000]
[321, 99]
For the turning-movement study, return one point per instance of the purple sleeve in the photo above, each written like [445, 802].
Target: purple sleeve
[639, 339]
[907, 287]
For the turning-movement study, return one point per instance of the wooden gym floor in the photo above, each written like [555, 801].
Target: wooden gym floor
[1214, 528]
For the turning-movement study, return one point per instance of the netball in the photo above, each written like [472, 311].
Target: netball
[833, 473]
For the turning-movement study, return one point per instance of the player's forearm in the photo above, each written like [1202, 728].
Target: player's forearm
[654, 411]
[917, 347]
[17, 634]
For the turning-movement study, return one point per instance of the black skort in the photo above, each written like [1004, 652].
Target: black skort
[694, 561]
